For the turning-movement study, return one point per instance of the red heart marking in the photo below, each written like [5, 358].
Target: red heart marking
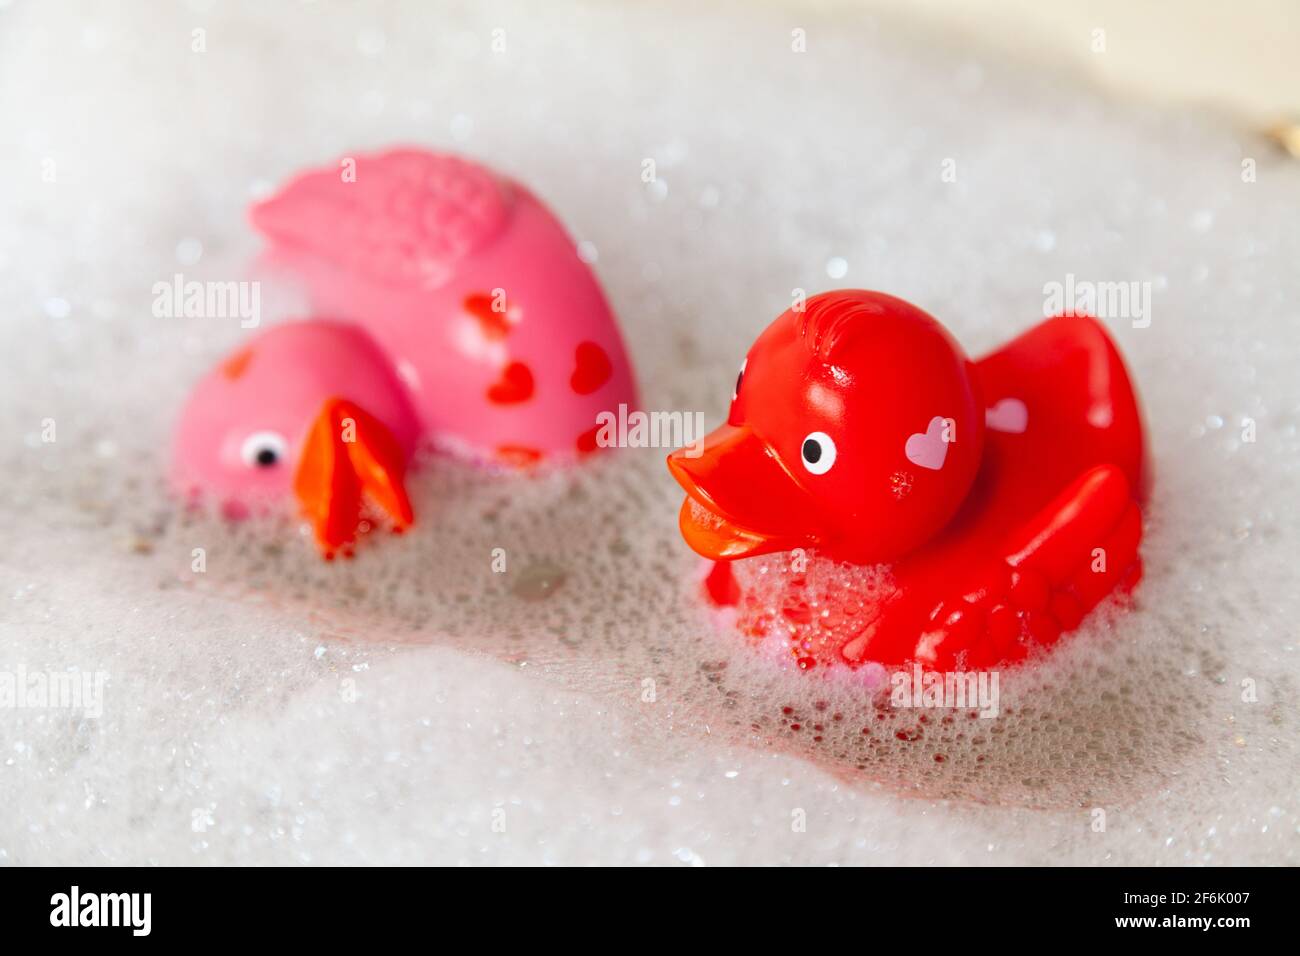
[592, 368]
[515, 385]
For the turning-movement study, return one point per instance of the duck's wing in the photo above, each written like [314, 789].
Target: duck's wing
[1055, 568]
[404, 217]
[1052, 570]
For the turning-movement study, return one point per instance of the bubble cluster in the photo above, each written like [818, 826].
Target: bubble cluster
[810, 605]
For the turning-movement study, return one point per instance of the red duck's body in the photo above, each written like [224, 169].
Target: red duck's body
[1024, 472]
[1051, 524]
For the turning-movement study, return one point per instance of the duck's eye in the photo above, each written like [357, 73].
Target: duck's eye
[263, 449]
[818, 453]
[739, 378]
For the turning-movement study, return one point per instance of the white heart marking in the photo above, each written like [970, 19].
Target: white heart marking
[928, 449]
[1008, 415]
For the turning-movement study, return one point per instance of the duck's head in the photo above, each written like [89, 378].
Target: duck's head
[856, 428]
[311, 410]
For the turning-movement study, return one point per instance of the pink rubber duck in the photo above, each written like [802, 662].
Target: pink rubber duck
[462, 318]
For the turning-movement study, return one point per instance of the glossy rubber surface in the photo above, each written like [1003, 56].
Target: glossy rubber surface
[462, 318]
[1004, 494]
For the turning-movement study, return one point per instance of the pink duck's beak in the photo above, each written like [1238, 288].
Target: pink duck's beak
[349, 452]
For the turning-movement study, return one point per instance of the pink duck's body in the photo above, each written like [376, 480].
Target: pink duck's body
[461, 317]
[496, 326]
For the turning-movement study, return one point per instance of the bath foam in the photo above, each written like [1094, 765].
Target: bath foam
[272, 708]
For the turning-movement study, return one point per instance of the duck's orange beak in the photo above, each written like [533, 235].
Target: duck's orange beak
[741, 500]
[349, 452]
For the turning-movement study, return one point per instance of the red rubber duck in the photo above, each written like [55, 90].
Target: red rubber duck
[1004, 494]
